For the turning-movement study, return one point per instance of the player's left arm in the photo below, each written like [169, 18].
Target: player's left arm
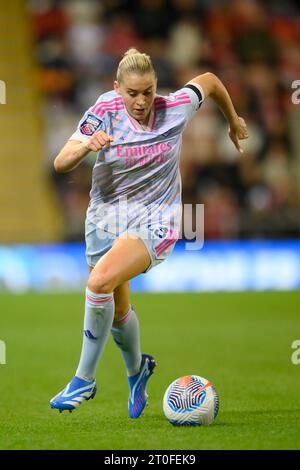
[212, 86]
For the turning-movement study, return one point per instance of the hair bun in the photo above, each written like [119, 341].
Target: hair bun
[131, 51]
[134, 61]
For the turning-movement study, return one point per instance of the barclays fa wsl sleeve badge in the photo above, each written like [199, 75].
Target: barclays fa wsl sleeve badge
[90, 125]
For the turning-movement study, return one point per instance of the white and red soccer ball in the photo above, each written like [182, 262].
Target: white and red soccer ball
[191, 400]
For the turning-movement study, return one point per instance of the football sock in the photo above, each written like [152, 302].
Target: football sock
[99, 314]
[126, 334]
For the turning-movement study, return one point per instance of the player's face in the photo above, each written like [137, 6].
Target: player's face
[138, 92]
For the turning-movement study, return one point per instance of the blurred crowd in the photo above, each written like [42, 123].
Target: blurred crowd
[252, 46]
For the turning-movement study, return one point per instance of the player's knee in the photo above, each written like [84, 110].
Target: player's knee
[100, 283]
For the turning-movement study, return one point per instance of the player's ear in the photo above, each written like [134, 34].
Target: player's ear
[117, 86]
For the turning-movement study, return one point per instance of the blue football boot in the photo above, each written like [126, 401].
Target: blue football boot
[74, 394]
[137, 383]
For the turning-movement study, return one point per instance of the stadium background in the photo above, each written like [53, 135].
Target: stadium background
[64, 54]
[56, 57]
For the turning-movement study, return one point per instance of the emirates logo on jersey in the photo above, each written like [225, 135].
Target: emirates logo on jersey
[143, 150]
[142, 155]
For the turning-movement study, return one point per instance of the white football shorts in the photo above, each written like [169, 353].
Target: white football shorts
[158, 239]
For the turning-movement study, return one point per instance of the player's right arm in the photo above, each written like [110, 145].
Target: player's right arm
[72, 154]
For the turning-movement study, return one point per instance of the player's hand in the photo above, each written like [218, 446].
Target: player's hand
[99, 141]
[238, 131]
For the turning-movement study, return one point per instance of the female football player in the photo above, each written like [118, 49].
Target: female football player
[133, 218]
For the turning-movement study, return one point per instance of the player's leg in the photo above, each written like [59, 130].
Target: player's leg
[126, 334]
[127, 258]
[122, 300]
[97, 323]
[125, 329]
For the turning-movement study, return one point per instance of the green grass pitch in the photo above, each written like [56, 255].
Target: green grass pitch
[239, 341]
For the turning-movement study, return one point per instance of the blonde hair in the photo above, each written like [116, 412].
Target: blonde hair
[134, 61]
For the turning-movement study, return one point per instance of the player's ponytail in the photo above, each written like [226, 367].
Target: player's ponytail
[134, 61]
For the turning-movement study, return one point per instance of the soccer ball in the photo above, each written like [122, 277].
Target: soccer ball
[191, 400]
